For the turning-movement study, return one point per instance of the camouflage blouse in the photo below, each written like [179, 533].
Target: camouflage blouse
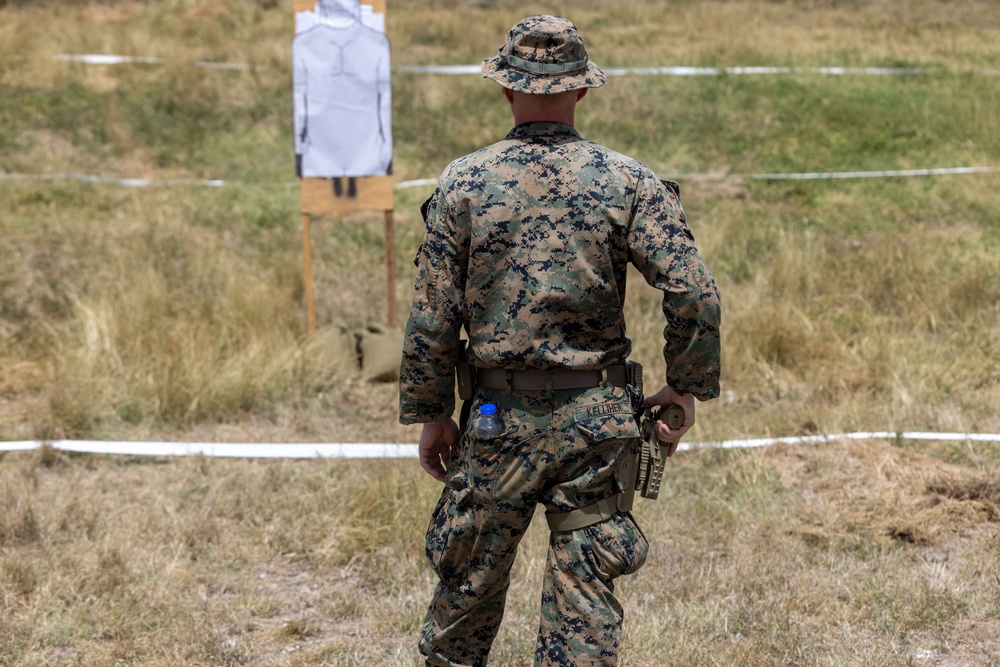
[526, 247]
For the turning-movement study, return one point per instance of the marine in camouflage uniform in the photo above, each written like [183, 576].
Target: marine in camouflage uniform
[526, 247]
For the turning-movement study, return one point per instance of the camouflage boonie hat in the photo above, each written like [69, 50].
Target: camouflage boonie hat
[543, 55]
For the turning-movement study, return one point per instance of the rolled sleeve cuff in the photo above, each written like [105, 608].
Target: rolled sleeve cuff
[703, 391]
[416, 411]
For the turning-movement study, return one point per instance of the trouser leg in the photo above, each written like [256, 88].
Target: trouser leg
[461, 625]
[581, 618]
[471, 544]
[561, 449]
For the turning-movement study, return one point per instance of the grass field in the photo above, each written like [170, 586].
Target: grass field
[177, 313]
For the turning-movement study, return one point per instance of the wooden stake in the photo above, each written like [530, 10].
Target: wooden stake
[307, 251]
[390, 265]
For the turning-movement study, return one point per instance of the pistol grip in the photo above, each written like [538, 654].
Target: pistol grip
[674, 417]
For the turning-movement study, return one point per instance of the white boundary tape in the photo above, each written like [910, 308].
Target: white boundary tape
[105, 59]
[417, 183]
[423, 182]
[871, 174]
[226, 449]
[393, 450]
[815, 439]
[698, 71]
[111, 59]
[127, 182]
[682, 71]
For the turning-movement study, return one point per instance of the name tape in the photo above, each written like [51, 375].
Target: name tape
[409, 451]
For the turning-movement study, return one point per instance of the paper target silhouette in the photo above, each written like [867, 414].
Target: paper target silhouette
[342, 92]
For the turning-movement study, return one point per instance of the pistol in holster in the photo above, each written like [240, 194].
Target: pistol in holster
[652, 456]
[653, 452]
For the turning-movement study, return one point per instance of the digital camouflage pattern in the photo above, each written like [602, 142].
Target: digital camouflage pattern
[543, 55]
[561, 449]
[526, 246]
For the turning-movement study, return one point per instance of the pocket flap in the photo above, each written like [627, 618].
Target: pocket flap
[603, 421]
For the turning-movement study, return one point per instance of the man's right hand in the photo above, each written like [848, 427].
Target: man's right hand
[663, 398]
[437, 439]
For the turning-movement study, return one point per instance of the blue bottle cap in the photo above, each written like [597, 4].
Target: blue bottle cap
[488, 409]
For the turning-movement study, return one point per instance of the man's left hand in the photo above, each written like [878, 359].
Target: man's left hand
[437, 439]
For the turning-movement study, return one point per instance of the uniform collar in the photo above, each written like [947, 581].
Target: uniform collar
[543, 129]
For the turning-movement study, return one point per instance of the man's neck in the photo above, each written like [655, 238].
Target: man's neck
[527, 117]
[533, 108]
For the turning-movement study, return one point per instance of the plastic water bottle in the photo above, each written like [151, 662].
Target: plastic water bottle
[488, 425]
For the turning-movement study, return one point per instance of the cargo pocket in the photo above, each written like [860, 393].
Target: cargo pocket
[616, 547]
[606, 419]
[609, 426]
[447, 534]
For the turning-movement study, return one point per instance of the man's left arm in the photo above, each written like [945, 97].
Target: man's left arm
[431, 340]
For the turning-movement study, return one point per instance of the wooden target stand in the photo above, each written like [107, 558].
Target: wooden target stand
[321, 196]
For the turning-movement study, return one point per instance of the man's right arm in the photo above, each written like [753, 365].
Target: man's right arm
[662, 248]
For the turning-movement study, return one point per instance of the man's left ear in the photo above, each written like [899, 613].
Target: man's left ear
[581, 93]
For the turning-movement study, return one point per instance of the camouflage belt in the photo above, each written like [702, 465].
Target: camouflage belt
[552, 379]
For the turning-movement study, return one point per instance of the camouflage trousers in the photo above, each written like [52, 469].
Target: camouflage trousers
[560, 449]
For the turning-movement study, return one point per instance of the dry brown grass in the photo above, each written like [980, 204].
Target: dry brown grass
[844, 553]
[662, 33]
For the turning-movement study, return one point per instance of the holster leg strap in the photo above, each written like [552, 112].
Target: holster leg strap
[602, 510]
